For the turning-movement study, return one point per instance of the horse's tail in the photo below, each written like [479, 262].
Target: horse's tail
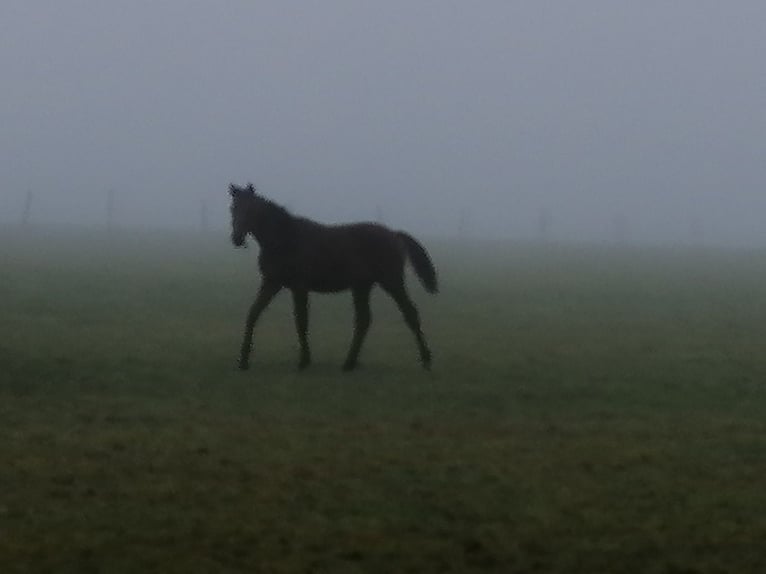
[421, 262]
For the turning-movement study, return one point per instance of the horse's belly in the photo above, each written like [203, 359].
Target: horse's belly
[328, 284]
[333, 278]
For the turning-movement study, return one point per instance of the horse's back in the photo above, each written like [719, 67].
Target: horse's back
[337, 257]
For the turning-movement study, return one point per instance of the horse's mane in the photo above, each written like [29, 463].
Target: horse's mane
[274, 211]
[274, 225]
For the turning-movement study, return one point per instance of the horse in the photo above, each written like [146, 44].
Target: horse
[302, 256]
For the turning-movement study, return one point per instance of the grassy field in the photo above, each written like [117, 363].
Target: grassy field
[590, 410]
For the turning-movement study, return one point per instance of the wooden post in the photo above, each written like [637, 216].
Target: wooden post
[620, 228]
[203, 221]
[696, 231]
[544, 223]
[26, 214]
[462, 223]
[110, 210]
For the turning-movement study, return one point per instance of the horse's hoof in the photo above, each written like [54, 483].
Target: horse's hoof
[303, 364]
[426, 360]
[244, 365]
[348, 367]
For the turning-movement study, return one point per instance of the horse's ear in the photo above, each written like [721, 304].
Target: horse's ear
[233, 189]
[250, 189]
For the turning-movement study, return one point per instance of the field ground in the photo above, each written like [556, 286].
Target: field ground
[591, 409]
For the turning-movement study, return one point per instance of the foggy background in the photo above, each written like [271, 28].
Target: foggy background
[639, 121]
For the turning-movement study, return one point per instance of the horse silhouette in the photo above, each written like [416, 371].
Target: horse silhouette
[303, 256]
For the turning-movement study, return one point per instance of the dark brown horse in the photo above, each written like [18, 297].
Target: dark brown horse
[302, 255]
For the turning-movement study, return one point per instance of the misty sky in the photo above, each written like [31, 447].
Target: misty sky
[653, 109]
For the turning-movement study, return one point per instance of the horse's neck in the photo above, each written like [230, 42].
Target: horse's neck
[267, 242]
[275, 236]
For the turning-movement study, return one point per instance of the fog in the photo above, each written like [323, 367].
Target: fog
[638, 121]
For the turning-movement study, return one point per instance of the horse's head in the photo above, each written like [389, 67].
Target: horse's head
[242, 201]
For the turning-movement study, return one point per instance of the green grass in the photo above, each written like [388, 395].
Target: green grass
[590, 410]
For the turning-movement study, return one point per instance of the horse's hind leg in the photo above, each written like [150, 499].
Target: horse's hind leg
[265, 295]
[301, 312]
[362, 320]
[399, 294]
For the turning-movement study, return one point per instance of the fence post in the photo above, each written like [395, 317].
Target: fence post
[203, 220]
[26, 214]
[462, 223]
[110, 210]
[696, 231]
[544, 223]
[620, 228]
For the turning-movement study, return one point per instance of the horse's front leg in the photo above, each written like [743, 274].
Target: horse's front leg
[265, 294]
[301, 312]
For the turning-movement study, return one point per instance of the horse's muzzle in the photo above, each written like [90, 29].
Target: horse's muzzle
[238, 240]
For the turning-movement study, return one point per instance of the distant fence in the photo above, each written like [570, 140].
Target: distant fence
[112, 208]
[117, 208]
